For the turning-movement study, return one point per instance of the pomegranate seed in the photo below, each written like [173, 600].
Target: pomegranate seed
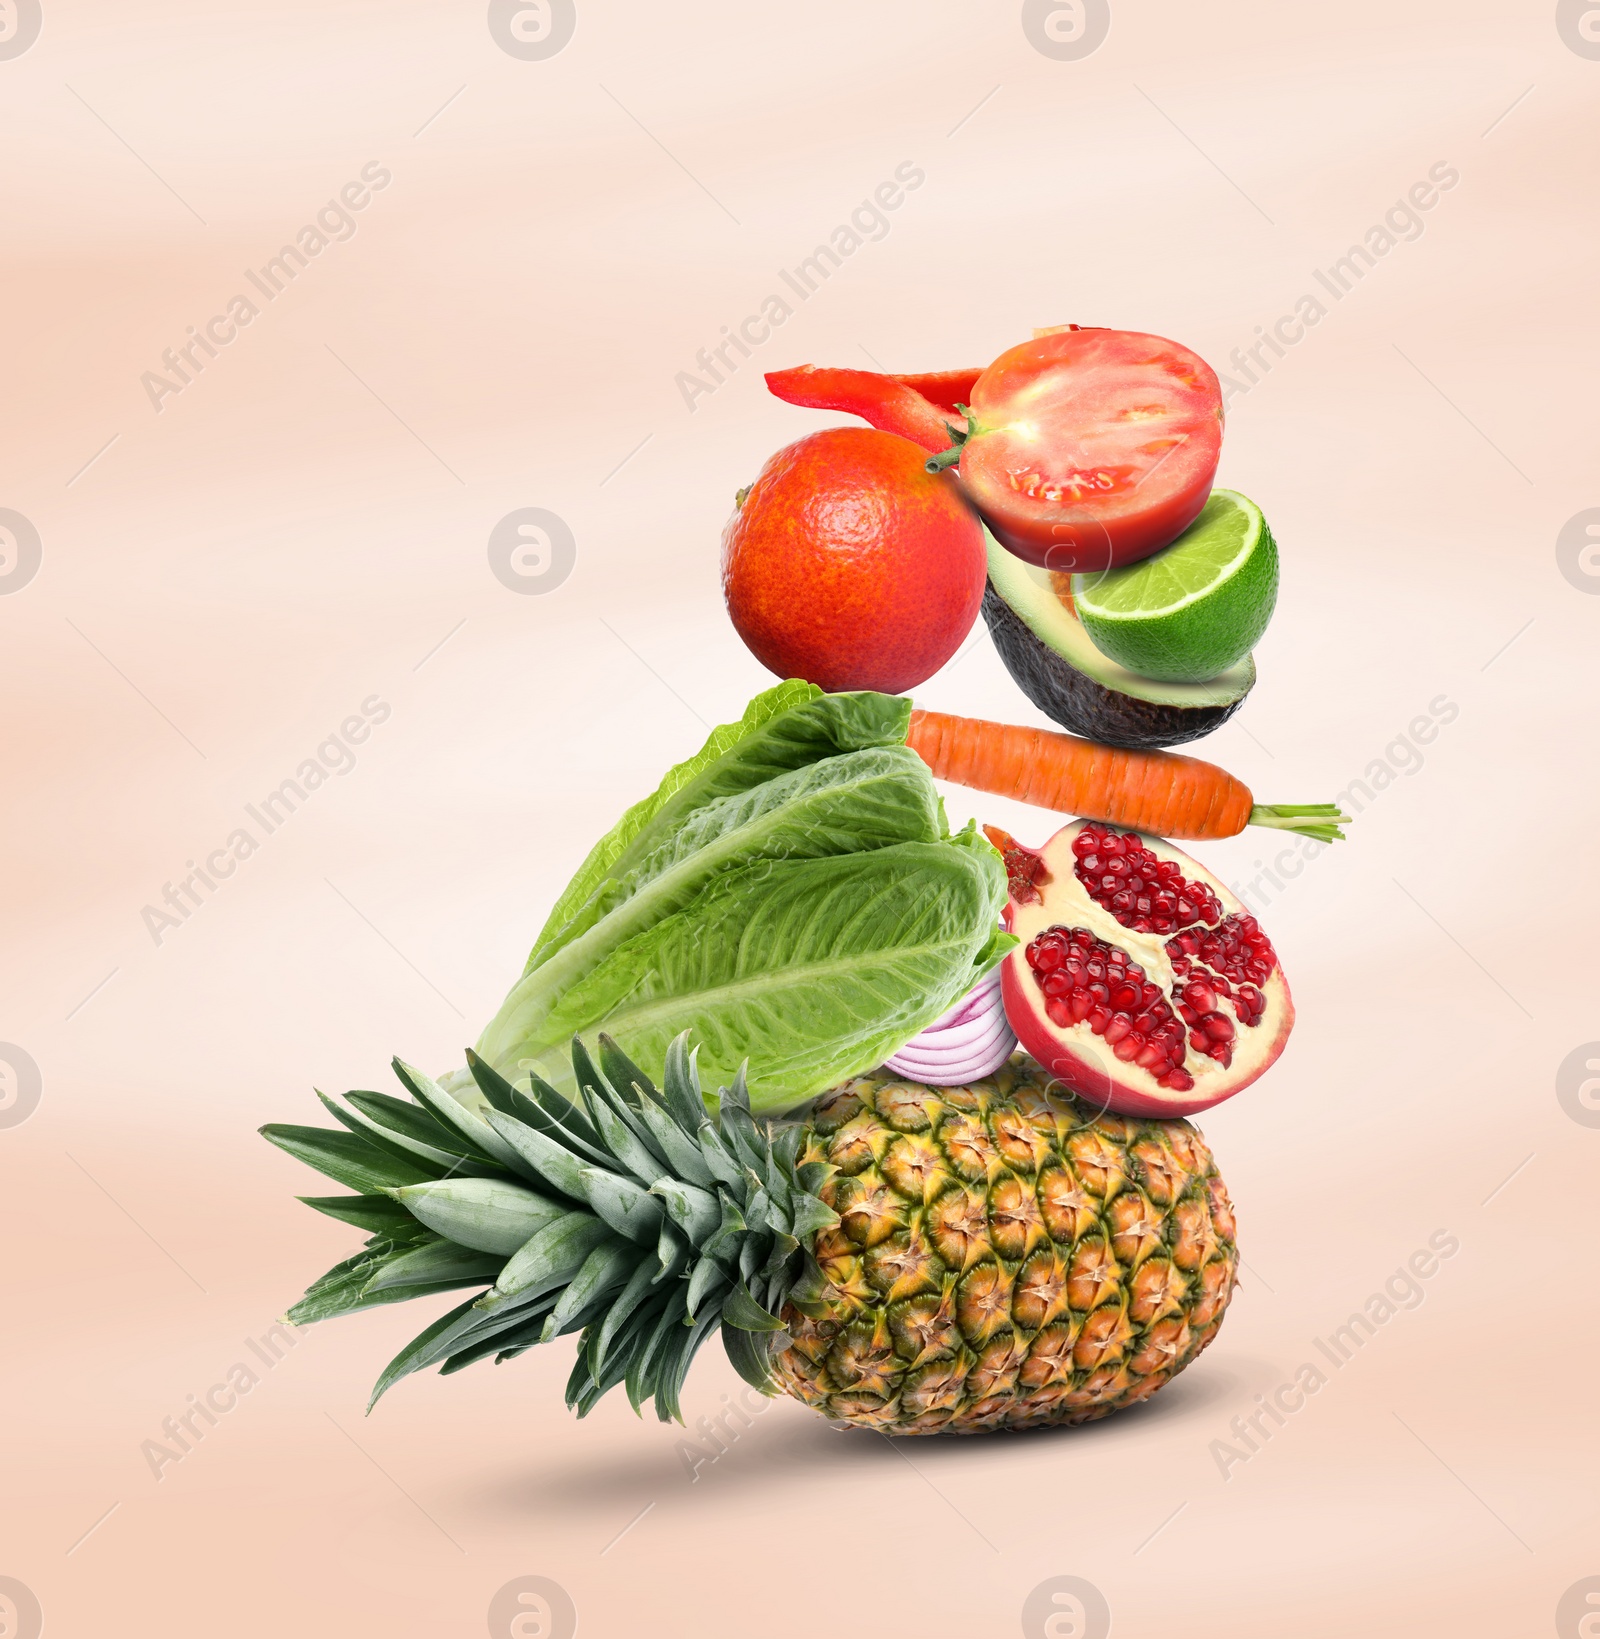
[1056, 1011]
[1084, 844]
[1117, 1029]
[1218, 1026]
[1128, 1047]
[1125, 997]
[1099, 1018]
[1180, 1081]
[1187, 1013]
[1153, 1057]
[1080, 1006]
[1199, 1041]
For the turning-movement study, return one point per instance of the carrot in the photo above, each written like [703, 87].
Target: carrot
[1158, 792]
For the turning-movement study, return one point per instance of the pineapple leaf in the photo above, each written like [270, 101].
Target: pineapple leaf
[377, 1214]
[641, 1379]
[682, 1153]
[751, 1357]
[333, 1306]
[486, 1214]
[433, 1263]
[568, 1114]
[724, 1167]
[406, 1149]
[674, 1368]
[624, 1135]
[406, 1121]
[680, 1085]
[622, 1072]
[343, 1289]
[707, 1277]
[810, 1216]
[623, 1205]
[743, 1312]
[502, 1345]
[694, 1211]
[348, 1158]
[545, 1110]
[542, 1153]
[783, 1245]
[738, 1095]
[720, 1238]
[430, 1344]
[808, 1292]
[606, 1268]
[732, 1226]
[551, 1257]
[501, 1095]
[635, 1292]
[453, 1113]
[672, 1253]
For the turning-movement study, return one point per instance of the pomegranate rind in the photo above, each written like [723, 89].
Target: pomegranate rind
[1078, 1057]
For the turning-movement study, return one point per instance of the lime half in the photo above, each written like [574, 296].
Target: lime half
[1196, 607]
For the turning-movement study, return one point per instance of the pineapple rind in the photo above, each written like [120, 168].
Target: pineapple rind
[1007, 1257]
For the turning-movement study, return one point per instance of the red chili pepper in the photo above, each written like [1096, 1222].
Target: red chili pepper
[916, 407]
[947, 389]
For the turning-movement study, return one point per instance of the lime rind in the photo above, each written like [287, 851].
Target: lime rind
[1150, 617]
[1209, 553]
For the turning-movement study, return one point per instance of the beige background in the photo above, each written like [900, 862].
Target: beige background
[305, 526]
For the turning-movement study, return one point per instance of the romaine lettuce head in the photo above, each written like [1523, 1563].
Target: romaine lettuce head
[791, 896]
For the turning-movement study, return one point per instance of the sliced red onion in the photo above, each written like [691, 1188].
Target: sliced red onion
[971, 1040]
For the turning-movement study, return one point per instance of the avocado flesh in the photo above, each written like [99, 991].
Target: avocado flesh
[1049, 654]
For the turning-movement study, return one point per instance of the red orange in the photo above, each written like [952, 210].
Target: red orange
[849, 565]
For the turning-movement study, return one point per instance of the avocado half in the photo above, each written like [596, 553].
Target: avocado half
[1031, 618]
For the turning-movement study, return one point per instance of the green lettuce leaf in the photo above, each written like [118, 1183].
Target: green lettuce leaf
[840, 805]
[812, 969]
[786, 728]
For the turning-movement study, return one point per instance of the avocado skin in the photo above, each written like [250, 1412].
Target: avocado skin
[1083, 706]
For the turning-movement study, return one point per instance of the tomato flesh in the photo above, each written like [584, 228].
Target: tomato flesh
[1092, 448]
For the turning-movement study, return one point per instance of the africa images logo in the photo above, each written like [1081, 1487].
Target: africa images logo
[20, 22]
[21, 551]
[532, 29]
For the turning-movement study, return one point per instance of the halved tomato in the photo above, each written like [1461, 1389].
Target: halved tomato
[1092, 448]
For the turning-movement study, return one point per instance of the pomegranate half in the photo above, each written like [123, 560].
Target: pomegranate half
[1139, 979]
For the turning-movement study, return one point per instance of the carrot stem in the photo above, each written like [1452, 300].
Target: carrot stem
[1320, 820]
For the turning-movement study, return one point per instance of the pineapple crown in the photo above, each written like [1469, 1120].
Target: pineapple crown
[643, 1218]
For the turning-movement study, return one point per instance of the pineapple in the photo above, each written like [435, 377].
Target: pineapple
[910, 1259]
